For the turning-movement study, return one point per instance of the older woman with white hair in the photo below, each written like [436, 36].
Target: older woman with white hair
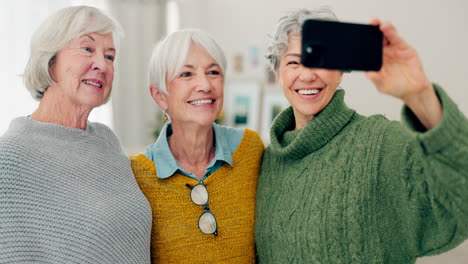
[338, 187]
[67, 191]
[199, 177]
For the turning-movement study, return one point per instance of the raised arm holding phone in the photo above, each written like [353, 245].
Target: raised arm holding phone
[339, 187]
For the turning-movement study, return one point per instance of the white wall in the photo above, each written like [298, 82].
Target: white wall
[18, 21]
[135, 112]
[436, 28]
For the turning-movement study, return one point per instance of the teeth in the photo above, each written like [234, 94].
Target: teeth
[313, 91]
[92, 83]
[201, 102]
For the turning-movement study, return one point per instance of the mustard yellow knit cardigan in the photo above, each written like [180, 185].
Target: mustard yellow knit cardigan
[176, 237]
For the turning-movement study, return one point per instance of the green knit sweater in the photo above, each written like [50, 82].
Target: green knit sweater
[353, 189]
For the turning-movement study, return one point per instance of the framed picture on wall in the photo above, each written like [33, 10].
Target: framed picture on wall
[242, 100]
[273, 104]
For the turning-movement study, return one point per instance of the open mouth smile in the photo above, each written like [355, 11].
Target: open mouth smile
[308, 91]
[97, 84]
[201, 102]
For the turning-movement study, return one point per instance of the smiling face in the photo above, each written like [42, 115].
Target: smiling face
[195, 95]
[84, 70]
[307, 90]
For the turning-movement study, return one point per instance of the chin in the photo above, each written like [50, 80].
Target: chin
[307, 111]
[205, 122]
[93, 104]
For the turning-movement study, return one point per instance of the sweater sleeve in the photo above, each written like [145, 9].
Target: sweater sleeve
[432, 190]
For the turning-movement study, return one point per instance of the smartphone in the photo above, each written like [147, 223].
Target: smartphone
[341, 46]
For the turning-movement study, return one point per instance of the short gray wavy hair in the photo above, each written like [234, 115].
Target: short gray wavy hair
[292, 23]
[55, 33]
[169, 55]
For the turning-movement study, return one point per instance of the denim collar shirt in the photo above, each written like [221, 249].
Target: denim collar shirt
[226, 141]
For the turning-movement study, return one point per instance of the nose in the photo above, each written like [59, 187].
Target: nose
[307, 74]
[99, 62]
[203, 83]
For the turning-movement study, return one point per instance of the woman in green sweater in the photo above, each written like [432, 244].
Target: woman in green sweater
[338, 187]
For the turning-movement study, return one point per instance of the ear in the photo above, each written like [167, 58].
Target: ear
[51, 67]
[340, 78]
[159, 97]
[278, 77]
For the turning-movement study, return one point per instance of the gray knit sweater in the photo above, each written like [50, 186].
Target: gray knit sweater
[69, 196]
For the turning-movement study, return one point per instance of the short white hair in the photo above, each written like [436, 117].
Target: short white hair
[169, 55]
[55, 33]
[292, 23]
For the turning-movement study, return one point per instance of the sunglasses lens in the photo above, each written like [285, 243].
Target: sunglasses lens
[199, 194]
[207, 223]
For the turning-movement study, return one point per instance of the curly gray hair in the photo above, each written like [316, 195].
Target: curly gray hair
[292, 23]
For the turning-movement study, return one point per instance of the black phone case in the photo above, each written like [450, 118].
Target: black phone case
[341, 46]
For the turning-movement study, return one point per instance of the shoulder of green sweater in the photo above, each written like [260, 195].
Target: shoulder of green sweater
[377, 124]
[453, 128]
[387, 137]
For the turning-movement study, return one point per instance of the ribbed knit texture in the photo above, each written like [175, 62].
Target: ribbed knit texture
[176, 237]
[352, 189]
[69, 196]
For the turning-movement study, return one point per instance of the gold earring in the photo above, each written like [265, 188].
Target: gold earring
[165, 117]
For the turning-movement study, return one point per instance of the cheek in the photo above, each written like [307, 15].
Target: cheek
[110, 75]
[333, 77]
[219, 86]
[77, 71]
[70, 70]
[285, 79]
[111, 68]
[169, 102]
[220, 103]
[281, 75]
[69, 74]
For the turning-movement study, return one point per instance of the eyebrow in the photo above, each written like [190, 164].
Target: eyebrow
[86, 35]
[209, 66]
[213, 65]
[293, 55]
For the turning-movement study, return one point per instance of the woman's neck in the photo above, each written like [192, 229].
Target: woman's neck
[301, 121]
[192, 147]
[58, 110]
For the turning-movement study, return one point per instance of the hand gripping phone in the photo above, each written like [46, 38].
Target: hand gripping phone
[341, 46]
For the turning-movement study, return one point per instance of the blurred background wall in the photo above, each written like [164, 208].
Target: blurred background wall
[436, 28]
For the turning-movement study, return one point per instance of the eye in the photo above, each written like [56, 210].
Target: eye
[110, 57]
[186, 74]
[88, 49]
[292, 63]
[214, 72]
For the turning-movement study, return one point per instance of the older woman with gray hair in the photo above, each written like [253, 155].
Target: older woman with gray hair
[338, 187]
[199, 177]
[67, 191]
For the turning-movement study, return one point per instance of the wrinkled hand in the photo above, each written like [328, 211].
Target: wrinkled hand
[402, 73]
